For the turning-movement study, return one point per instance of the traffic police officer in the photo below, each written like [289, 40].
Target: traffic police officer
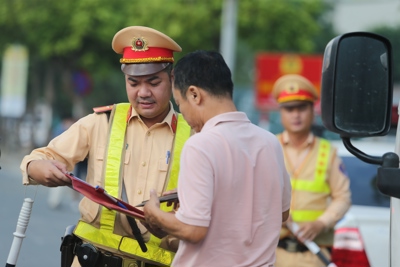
[320, 187]
[128, 147]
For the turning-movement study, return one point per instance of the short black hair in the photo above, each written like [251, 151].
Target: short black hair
[205, 69]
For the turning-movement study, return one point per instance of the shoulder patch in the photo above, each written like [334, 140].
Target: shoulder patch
[103, 109]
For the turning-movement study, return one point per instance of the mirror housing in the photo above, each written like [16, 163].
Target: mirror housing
[356, 98]
[356, 85]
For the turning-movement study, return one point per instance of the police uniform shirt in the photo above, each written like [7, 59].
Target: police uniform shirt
[297, 161]
[145, 163]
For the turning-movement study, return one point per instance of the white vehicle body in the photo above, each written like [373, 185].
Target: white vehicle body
[369, 216]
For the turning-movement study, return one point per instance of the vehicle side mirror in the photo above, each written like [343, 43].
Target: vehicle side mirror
[356, 97]
[356, 85]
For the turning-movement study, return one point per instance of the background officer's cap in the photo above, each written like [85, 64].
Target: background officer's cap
[292, 88]
[144, 50]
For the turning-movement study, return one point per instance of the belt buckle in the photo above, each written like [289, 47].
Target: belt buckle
[132, 263]
[291, 245]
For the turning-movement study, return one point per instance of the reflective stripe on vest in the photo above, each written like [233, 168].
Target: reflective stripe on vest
[181, 135]
[104, 235]
[318, 185]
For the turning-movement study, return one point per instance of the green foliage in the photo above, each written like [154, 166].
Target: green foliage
[68, 36]
[293, 26]
[280, 26]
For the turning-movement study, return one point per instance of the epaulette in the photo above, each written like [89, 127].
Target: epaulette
[103, 109]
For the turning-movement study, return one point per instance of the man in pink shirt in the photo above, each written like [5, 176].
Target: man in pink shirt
[233, 188]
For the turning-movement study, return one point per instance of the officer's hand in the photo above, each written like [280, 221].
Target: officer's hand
[309, 230]
[48, 173]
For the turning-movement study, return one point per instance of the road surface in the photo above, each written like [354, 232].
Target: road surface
[41, 246]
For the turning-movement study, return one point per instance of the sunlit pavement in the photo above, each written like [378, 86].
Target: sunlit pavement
[41, 246]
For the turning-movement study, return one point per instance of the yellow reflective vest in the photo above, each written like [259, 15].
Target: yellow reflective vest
[104, 236]
[316, 186]
[311, 189]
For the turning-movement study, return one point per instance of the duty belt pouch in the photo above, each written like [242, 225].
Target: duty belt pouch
[68, 243]
[88, 255]
[291, 245]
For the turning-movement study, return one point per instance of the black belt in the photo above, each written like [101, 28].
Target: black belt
[90, 256]
[292, 245]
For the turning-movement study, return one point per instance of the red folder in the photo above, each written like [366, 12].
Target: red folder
[98, 195]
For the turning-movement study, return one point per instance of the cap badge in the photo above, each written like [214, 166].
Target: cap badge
[139, 44]
[292, 88]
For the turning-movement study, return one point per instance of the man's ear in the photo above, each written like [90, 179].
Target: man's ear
[194, 94]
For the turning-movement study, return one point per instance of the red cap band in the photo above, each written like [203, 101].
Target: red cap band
[301, 94]
[152, 54]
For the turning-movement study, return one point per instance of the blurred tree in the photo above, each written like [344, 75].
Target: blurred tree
[293, 26]
[65, 37]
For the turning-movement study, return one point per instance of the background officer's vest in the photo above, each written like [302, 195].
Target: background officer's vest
[310, 184]
[317, 186]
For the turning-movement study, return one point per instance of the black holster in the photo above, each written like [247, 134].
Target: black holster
[68, 243]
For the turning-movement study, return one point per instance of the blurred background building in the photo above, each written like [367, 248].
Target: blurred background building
[362, 15]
